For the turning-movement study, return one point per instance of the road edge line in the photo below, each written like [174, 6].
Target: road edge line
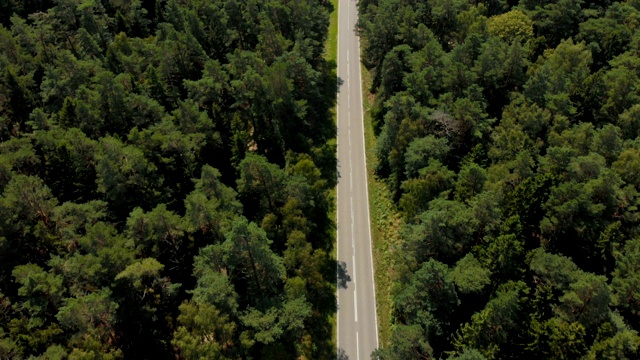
[337, 180]
[366, 177]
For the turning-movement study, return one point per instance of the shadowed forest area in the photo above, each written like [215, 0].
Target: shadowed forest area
[165, 177]
[509, 135]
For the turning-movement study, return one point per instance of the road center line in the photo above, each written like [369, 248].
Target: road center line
[355, 284]
[355, 304]
[353, 238]
[354, 149]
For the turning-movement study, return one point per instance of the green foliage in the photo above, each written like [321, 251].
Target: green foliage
[408, 342]
[469, 275]
[471, 179]
[443, 231]
[554, 270]
[247, 254]
[492, 327]
[211, 205]
[421, 150]
[469, 354]
[428, 296]
[262, 181]
[434, 179]
[625, 279]
[124, 175]
[270, 326]
[623, 345]
[93, 312]
[41, 290]
[504, 255]
[137, 271]
[141, 144]
[586, 301]
[511, 26]
[204, 332]
[214, 286]
[507, 133]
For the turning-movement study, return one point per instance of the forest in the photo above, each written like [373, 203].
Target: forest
[509, 135]
[166, 176]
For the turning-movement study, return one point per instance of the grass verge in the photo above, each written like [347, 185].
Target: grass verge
[331, 46]
[385, 222]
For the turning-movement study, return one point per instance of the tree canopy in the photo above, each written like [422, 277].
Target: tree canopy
[165, 171]
[507, 132]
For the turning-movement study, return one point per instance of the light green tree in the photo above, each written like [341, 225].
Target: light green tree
[511, 26]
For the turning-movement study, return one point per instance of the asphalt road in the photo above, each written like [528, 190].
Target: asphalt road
[357, 319]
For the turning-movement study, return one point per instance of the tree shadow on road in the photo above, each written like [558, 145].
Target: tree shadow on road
[342, 355]
[339, 83]
[343, 277]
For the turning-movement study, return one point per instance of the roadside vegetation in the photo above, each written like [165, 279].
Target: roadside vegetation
[507, 136]
[385, 222]
[332, 38]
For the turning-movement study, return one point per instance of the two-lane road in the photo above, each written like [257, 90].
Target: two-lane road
[357, 320]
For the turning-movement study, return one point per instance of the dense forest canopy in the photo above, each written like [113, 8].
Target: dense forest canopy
[509, 134]
[165, 168]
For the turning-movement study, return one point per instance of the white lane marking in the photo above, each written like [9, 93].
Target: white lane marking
[355, 284]
[348, 16]
[366, 183]
[353, 243]
[351, 183]
[357, 346]
[355, 304]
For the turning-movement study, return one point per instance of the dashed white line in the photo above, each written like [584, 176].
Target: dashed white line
[355, 304]
[355, 285]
